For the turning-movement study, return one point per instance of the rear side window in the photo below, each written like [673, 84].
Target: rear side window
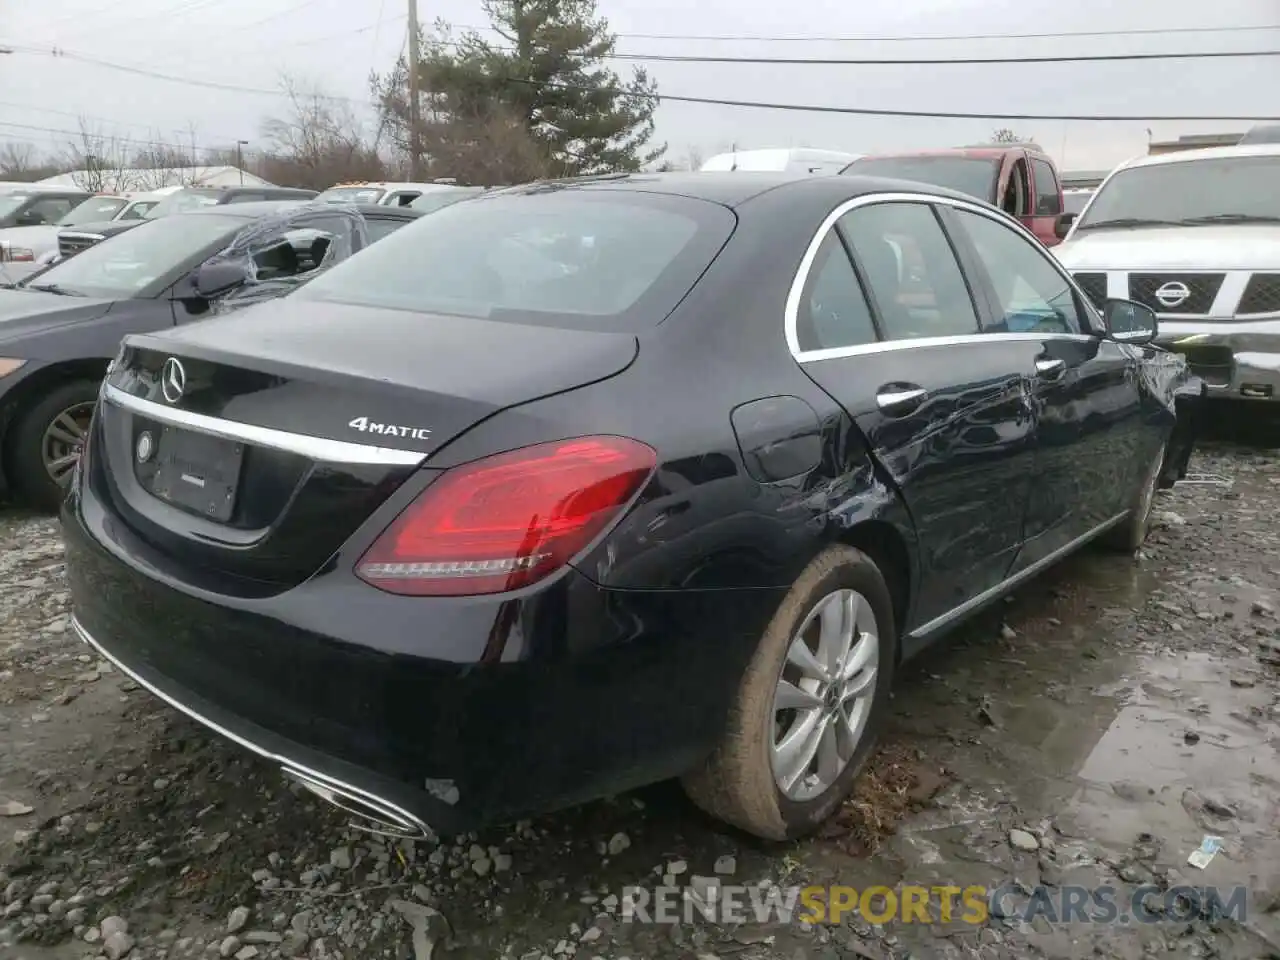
[599, 260]
[1046, 188]
[833, 310]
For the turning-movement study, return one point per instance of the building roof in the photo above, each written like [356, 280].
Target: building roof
[144, 179]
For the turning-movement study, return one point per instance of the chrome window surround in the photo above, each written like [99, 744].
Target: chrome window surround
[304, 445]
[806, 264]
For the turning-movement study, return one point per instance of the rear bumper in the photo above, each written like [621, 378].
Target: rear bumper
[1235, 358]
[444, 713]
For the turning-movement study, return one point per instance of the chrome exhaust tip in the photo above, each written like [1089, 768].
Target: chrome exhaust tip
[370, 814]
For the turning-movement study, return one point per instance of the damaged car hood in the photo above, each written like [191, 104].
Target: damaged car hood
[1217, 247]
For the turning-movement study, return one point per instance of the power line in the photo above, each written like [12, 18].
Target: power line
[868, 112]
[749, 104]
[36, 108]
[173, 144]
[966, 61]
[1059, 35]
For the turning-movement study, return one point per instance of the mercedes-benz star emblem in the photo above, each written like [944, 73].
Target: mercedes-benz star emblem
[145, 447]
[173, 380]
[1173, 294]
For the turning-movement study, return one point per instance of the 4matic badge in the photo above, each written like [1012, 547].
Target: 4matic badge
[364, 425]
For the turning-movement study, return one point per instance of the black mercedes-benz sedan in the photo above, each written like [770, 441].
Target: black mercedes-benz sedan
[582, 485]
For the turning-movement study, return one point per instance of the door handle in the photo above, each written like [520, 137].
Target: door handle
[898, 399]
[1050, 369]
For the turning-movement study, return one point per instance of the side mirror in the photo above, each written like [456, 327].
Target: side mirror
[214, 279]
[1130, 322]
[1063, 224]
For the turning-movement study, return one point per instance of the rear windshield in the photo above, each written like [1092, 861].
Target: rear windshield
[352, 195]
[969, 175]
[183, 201]
[436, 199]
[601, 260]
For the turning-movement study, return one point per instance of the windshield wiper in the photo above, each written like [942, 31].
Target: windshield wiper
[50, 288]
[1130, 222]
[1233, 218]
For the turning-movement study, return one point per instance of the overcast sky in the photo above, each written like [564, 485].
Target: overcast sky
[336, 43]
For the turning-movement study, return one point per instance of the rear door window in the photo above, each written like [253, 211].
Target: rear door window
[915, 280]
[606, 260]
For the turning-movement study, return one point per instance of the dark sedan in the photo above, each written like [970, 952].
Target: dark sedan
[587, 484]
[60, 327]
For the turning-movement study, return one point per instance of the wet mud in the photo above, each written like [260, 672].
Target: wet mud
[1087, 735]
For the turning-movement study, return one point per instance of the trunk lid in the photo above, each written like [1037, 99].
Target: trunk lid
[297, 419]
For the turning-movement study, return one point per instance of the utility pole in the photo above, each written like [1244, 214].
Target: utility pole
[240, 159]
[415, 150]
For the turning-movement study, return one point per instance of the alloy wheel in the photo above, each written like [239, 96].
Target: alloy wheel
[64, 439]
[824, 695]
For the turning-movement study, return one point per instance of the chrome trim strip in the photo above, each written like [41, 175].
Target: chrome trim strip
[313, 448]
[806, 264]
[289, 765]
[887, 346]
[1010, 582]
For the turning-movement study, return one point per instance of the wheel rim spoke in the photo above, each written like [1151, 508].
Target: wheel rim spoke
[791, 697]
[798, 747]
[63, 465]
[836, 625]
[831, 759]
[801, 657]
[859, 685]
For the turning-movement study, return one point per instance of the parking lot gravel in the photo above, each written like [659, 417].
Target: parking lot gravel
[1089, 732]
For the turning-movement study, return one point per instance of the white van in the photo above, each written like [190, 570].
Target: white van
[793, 160]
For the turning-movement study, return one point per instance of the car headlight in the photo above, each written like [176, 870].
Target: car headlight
[17, 254]
[9, 364]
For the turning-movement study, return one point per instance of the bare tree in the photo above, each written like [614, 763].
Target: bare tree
[693, 159]
[99, 162]
[22, 161]
[320, 142]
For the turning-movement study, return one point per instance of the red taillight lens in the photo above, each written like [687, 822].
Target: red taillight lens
[508, 520]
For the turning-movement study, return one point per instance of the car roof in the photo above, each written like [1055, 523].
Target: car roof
[245, 211]
[734, 188]
[1206, 153]
[993, 152]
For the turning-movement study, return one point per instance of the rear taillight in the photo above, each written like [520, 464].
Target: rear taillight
[508, 520]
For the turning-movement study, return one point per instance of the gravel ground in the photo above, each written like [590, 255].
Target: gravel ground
[1089, 732]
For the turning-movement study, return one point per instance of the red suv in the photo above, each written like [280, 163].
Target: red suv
[1021, 179]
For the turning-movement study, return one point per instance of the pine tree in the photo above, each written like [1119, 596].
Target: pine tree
[547, 74]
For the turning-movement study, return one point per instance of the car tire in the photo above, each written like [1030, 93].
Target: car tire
[737, 783]
[1132, 532]
[35, 438]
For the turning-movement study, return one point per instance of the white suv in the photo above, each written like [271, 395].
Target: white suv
[1195, 236]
